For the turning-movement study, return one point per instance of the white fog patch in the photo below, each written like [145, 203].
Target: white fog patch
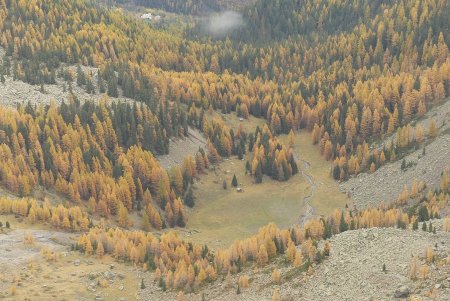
[223, 23]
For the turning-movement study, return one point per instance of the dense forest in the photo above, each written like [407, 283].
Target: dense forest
[103, 154]
[192, 7]
[344, 100]
[98, 154]
[348, 72]
[349, 78]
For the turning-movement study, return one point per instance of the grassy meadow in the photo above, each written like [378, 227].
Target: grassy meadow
[221, 216]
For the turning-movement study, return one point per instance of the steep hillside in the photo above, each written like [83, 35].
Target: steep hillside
[354, 271]
[201, 159]
[421, 162]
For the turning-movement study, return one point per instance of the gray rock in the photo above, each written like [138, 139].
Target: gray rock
[91, 289]
[402, 292]
[109, 275]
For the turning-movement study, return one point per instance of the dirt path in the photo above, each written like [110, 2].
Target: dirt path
[309, 212]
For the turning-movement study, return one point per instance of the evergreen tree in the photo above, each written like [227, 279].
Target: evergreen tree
[424, 226]
[240, 153]
[343, 226]
[180, 221]
[81, 77]
[162, 284]
[247, 167]
[234, 181]
[401, 224]
[423, 214]
[259, 174]
[101, 85]
[150, 261]
[112, 87]
[189, 198]
[90, 89]
[415, 225]
[403, 166]
[327, 232]
[205, 251]
[336, 172]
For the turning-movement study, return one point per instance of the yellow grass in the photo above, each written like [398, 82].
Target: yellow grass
[63, 280]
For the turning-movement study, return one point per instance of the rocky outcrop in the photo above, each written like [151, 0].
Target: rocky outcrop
[353, 272]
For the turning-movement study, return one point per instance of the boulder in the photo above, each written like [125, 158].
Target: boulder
[402, 292]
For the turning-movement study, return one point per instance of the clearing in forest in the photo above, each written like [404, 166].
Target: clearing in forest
[221, 216]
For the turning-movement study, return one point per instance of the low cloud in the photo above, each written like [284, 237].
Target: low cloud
[221, 24]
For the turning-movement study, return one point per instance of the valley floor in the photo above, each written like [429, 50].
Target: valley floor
[222, 216]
